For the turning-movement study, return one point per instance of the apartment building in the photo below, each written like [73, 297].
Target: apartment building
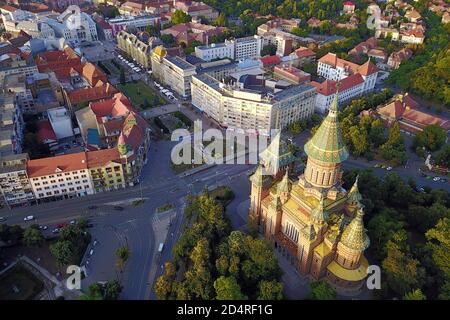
[16, 21]
[13, 63]
[106, 171]
[61, 122]
[14, 184]
[60, 177]
[237, 49]
[138, 46]
[333, 68]
[16, 84]
[173, 71]
[253, 103]
[11, 125]
[139, 23]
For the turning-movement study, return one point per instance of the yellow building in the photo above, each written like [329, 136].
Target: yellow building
[105, 168]
[313, 221]
[137, 46]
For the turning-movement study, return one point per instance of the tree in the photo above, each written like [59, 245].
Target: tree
[112, 290]
[152, 30]
[221, 20]
[63, 251]
[32, 237]
[403, 272]
[270, 290]
[122, 254]
[443, 157]
[415, 295]
[94, 292]
[108, 291]
[438, 242]
[168, 40]
[432, 138]
[268, 50]
[227, 288]
[321, 290]
[180, 17]
[122, 76]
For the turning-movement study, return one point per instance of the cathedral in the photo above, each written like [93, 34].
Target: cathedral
[313, 221]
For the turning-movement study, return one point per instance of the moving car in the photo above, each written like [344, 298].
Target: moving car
[2, 219]
[28, 218]
[436, 178]
[389, 168]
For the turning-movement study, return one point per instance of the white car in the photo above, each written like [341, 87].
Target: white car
[389, 168]
[436, 178]
[28, 218]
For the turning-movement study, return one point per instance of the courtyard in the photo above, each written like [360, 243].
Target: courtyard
[19, 284]
[141, 95]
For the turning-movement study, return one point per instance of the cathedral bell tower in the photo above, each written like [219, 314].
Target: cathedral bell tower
[326, 151]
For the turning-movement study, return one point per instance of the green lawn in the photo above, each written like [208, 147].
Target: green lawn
[19, 284]
[138, 92]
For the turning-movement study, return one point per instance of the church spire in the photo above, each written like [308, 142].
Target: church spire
[319, 214]
[353, 195]
[284, 185]
[354, 235]
[327, 144]
[257, 177]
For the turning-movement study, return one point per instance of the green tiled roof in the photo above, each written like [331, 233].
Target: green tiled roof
[353, 195]
[257, 177]
[354, 235]
[327, 144]
[283, 186]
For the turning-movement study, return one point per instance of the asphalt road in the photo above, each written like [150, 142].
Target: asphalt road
[133, 226]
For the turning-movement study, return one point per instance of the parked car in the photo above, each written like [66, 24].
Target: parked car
[55, 231]
[61, 225]
[95, 243]
[436, 178]
[28, 218]
[389, 168]
[2, 219]
[118, 208]
[73, 221]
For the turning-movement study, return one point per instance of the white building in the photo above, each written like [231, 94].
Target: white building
[74, 27]
[333, 68]
[139, 23]
[64, 176]
[172, 71]
[238, 108]
[354, 80]
[215, 51]
[61, 122]
[237, 49]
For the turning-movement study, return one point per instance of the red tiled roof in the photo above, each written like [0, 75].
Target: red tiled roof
[57, 164]
[393, 110]
[102, 157]
[304, 52]
[328, 87]
[9, 8]
[45, 132]
[119, 105]
[270, 60]
[91, 94]
[424, 119]
[367, 68]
